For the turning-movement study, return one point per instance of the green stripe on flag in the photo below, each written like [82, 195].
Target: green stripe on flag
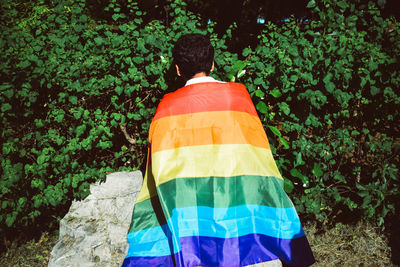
[215, 192]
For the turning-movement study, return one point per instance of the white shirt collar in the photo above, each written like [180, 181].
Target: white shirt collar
[204, 79]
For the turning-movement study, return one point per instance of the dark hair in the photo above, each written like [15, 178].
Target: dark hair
[193, 53]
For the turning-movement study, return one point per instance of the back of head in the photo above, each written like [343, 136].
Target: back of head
[193, 53]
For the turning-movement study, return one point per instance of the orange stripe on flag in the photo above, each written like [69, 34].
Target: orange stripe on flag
[208, 128]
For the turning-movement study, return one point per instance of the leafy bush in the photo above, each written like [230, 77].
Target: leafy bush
[330, 91]
[77, 98]
[79, 89]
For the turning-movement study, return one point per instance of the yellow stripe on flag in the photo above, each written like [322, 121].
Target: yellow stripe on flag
[213, 160]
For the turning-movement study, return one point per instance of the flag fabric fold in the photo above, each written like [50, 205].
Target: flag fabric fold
[212, 194]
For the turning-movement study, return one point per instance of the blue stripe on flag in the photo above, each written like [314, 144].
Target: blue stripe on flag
[282, 223]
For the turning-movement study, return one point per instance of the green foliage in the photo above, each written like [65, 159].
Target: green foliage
[78, 91]
[77, 95]
[330, 91]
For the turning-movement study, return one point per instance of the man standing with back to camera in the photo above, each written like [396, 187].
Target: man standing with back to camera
[212, 194]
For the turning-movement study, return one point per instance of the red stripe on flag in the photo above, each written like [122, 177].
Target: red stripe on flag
[204, 97]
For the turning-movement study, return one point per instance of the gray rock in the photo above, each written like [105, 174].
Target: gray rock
[93, 233]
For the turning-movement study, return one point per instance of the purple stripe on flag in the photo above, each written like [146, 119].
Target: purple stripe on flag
[237, 251]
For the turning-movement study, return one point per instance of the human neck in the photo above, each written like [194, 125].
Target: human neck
[200, 74]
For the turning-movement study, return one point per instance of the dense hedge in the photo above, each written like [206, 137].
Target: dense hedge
[332, 90]
[78, 92]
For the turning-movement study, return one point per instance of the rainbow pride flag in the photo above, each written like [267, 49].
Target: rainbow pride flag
[212, 194]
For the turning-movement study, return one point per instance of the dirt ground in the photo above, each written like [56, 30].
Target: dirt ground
[343, 245]
[349, 245]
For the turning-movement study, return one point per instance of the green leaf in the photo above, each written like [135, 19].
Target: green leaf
[119, 90]
[80, 130]
[73, 99]
[288, 185]
[262, 107]
[374, 90]
[275, 93]
[239, 66]
[327, 78]
[296, 173]
[5, 107]
[317, 170]
[299, 160]
[259, 93]
[39, 123]
[342, 4]
[22, 201]
[311, 4]
[259, 65]
[10, 219]
[372, 65]
[275, 131]
[231, 77]
[294, 78]
[136, 116]
[246, 52]
[363, 81]
[241, 73]
[330, 87]
[144, 83]
[78, 28]
[77, 114]
[360, 187]
[284, 142]
[138, 60]
[59, 141]
[258, 81]
[116, 16]
[284, 107]
[42, 159]
[98, 40]
[24, 64]
[83, 18]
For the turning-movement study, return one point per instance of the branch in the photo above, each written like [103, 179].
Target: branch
[127, 136]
